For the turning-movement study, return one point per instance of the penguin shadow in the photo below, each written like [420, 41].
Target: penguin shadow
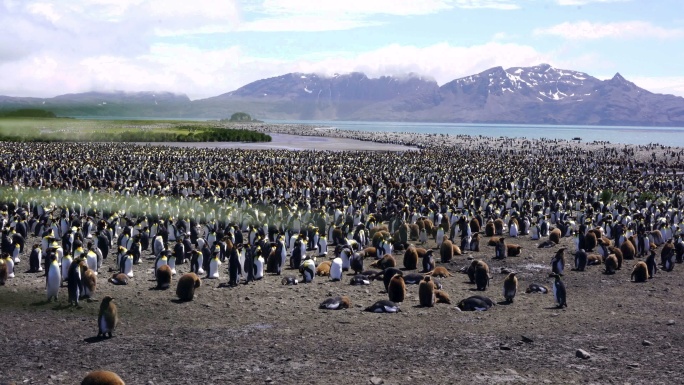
[553, 308]
[95, 339]
[504, 303]
[179, 301]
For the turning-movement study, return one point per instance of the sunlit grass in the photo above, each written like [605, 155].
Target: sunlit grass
[77, 130]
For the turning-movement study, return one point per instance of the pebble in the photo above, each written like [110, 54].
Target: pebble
[583, 354]
[376, 380]
[647, 343]
[670, 322]
[527, 339]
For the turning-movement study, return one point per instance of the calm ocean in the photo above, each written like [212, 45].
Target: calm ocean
[669, 136]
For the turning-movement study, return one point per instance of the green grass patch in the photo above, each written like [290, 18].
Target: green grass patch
[16, 129]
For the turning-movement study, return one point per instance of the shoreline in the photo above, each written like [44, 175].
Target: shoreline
[349, 140]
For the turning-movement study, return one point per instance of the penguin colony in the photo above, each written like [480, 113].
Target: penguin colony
[130, 209]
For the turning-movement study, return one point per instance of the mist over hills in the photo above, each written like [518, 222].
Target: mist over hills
[522, 95]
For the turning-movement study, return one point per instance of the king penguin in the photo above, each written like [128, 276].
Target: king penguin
[559, 291]
[53, 280]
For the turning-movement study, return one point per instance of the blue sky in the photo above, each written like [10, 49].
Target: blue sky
[204, 48]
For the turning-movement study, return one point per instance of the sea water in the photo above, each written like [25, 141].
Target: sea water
[667, 136]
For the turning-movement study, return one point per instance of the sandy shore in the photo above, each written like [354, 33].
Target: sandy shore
[297, 142]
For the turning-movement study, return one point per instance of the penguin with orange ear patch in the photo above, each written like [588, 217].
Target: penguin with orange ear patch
[396, 290]
[102, 377]
[426, 292]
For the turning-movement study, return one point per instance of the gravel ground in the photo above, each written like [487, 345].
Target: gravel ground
[265, 332]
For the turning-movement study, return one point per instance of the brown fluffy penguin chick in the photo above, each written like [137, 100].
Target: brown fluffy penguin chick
[493, 241]
[618, 255]
[89, 281]
[442, 297]
[498, 226]
[396, 289]
[119, 279]
[164, 277]
[323, 269]
[102, 377]
[384, 262]
[411, 258]
[187, 285]
[628, 249]
[426, 292]
[446, 250]
[473, 267]
[590, 241]
[108, 317]
[510, 287]
[513, 250]
[439, 271]
[555, 236]
[640, 272]
[611, 264]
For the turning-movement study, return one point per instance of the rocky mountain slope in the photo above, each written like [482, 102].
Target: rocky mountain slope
[525, 95]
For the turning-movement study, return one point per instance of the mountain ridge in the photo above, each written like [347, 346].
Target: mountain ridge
[539, 94]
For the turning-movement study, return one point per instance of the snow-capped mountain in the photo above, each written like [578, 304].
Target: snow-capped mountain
[527, 95]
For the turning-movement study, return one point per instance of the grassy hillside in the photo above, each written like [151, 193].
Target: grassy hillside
[77, 130]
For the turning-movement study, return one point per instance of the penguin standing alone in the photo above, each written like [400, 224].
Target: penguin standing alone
[107, 318]
[510, 287]
[426, 292]
[559, 291]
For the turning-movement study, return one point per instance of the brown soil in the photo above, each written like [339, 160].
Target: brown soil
[268, 333]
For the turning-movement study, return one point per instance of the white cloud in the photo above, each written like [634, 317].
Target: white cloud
[585, 2]
[663, 85]
[442, 61]
[492, 4]
[584, 30]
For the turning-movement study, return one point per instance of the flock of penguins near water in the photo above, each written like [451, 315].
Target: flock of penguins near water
[73, 211]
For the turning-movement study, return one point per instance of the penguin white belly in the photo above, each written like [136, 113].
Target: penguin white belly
[200, 262]
[259, 268]
[65, 268]
[128, 267]
[91, 261]
[214, 268]
[513, 231]
[172, 264]
[54, 280]
[346, 264]
[336, 269]
[104, 328]
[15, 254]
[10, 268]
